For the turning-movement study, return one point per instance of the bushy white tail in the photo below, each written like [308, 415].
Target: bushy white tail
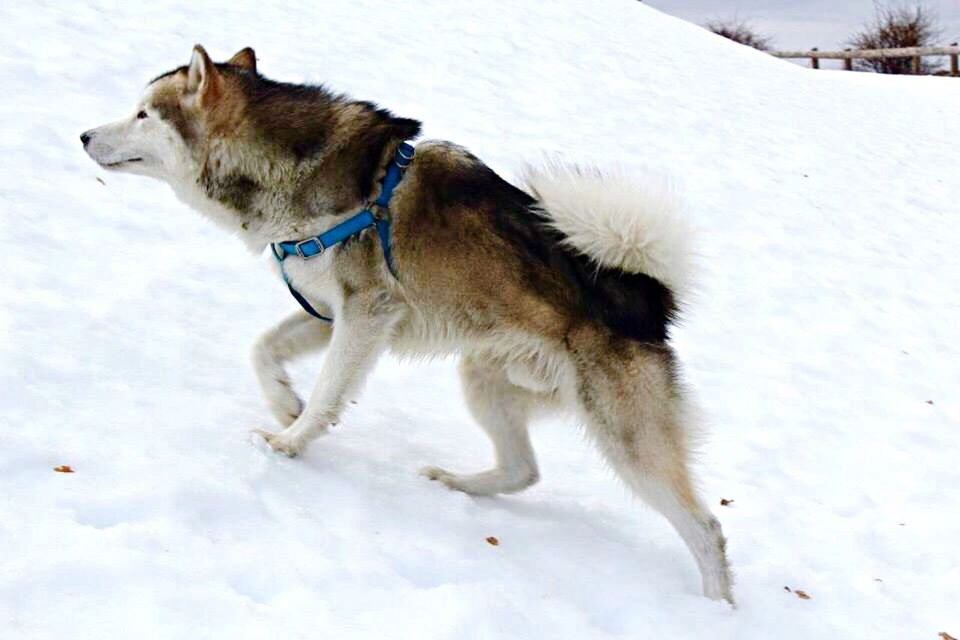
[617, 222]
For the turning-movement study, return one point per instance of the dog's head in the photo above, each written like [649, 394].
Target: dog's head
[248, 152]
[178, 116]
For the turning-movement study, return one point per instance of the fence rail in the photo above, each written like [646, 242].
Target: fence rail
[849, 55]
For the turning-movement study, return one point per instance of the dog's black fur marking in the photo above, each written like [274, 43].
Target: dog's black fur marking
[366, 152]
[631, 305]
[234, 190]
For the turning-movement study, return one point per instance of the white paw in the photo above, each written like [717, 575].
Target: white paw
[451, 480]
[486, 483]
[282, 443]
[467, 484]
[436, 473]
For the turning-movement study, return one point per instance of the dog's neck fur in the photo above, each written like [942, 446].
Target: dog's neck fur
[292, 167]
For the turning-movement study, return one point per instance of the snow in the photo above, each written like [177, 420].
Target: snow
[826, 206]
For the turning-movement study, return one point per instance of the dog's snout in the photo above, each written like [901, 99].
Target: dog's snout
[85, 138]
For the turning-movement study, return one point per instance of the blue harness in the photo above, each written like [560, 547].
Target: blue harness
[316, 245]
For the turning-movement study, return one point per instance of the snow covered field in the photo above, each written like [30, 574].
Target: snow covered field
[823, 346]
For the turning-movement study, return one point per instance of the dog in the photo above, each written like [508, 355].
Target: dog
[556, 295]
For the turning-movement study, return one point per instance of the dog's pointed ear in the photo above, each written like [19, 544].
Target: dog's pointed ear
[202, 75]
[245, 59]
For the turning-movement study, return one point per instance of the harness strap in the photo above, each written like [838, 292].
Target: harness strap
[296, 294]
[315, 246]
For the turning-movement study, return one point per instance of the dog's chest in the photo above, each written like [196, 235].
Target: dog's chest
[314, 278]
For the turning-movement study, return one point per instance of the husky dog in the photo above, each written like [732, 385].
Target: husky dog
[559, 294]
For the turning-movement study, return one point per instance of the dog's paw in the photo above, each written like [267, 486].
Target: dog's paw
[485, 483]
[450, 480]
[433, 473]
[281, 443]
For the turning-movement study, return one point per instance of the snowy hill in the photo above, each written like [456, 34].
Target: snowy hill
[822, 347]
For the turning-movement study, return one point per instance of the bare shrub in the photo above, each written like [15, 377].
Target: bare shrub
[893, 27]
[740, 31]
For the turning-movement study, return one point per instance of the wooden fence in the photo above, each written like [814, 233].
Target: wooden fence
[916, 54]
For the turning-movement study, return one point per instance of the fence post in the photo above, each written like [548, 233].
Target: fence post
[815, 61]
[954, 67]
[848, 62]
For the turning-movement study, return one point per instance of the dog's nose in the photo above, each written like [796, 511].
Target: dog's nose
[85, 137]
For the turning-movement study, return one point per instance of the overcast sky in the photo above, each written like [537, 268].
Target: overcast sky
[801, 24]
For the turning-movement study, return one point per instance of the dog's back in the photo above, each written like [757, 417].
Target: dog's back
[466, 233]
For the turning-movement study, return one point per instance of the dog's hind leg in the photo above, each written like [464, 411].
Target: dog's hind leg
[297, 335]
[502, 409]
[634, 411]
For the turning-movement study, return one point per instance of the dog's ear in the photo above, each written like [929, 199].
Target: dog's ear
[202, 76]
[245, 59]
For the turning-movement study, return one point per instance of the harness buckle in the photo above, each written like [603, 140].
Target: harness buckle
[403, 159]
[319, 248]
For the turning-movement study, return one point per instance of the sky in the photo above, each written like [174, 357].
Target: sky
[793, 24]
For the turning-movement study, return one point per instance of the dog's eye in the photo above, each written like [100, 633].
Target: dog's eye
[141, 115]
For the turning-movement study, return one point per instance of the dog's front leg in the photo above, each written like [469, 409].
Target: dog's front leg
[360, 335]
[297, 335]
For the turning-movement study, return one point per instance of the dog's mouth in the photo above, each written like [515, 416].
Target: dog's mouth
[118, 163]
